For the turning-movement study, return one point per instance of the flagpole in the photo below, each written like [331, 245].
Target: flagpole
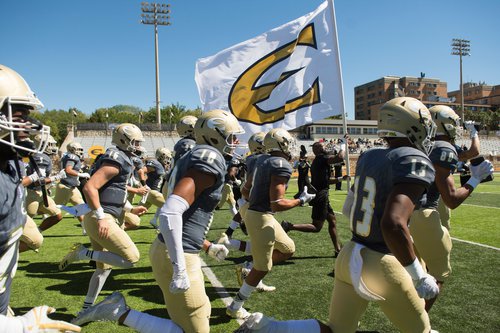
[344, 122]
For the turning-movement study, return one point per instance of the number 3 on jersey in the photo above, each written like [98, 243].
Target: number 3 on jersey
[362, 226]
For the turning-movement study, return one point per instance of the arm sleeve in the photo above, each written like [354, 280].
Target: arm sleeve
[10, 325]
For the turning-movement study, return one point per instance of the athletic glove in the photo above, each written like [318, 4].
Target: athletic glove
[218, 251]
[37, 321]
[34, 177]
[305, 197]
[469, 126]
[85, 175]
[180, 282]
[424, 283]
[59, 176]
[237, 182]
[479, 172]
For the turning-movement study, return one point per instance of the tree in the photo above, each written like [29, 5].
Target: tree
[58, 120]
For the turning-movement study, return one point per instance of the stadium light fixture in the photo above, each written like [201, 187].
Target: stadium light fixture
[461, 47]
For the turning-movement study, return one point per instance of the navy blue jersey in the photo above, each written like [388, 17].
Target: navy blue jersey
[265, 167]
[183, 146]
[377, 171]
[113, 194]
[138, 165]
[44, 164]
[12, 220]
[197, 219]
[73, 160]
[155, 177]
[444, 155]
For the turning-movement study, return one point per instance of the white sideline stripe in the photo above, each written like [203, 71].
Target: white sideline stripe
[474, 243]
[480, 206]
[219, 288]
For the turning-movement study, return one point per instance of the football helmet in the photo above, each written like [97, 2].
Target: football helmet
[51, 148]
[278, 139]
[407, 117]
[16, 94]
[185, 127]
[75, 148]
[447, 121]
[256, 143]
[128, 137]
[164, 155]
[218, 129]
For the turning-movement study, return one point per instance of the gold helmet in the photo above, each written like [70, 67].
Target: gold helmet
[51, 148]
[185, 127]
[256, 143]
[407, 117]
[278, 139]
[218, 129]
[128, 137]
[164, 155]
[15, 92]
[75, 148]
[447, 121]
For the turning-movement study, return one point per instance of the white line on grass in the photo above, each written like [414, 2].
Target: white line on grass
[474, 243]
[219, 288]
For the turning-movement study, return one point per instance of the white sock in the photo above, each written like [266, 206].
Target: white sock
[105, 257]
[234, 225]
[146, 323]
[234, 210]
[293, 326]
[234, 244]
[95, 286]
[242, 295]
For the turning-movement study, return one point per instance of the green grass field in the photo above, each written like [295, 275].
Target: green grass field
[470, 301]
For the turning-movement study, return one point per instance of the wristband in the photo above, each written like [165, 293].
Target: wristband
[473, 182]
[99, 213]
[128, 206]
[34, 177]
[415, 270]
[302, 201]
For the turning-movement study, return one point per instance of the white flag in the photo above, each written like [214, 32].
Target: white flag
[286, 77]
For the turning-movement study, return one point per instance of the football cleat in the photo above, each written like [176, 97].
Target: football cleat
[254, 323]
[242, 271]
[287, 226]
[72, 256]
[224, 239]
[264, 288]
[241, 313]
[110, 309]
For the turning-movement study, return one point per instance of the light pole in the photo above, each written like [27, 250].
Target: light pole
[461, 47]
[107, 123]
[156, 14]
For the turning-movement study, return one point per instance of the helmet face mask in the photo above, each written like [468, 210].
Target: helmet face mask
[16, 102]
[256, 143]
[51, 148]
[164, 156]
[128, 137]
[279, 139]
[75, 148]
[219, 129]
[185, 127]
[406, 117]
[447, 121]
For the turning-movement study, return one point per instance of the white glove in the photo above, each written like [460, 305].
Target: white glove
[424, 283]
[237, 182]
[60, 175]
[37, 321]
[469, 126]
[85, 175]
[480, 172]
[34, 177]
[180, 282]
[306, 197]
[218, 251]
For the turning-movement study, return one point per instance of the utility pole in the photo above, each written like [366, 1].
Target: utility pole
[461, 47]
[156, 14]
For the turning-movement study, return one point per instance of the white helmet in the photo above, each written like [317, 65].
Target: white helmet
[164, 155]
[128, 137]
[75, 148]
[217, 128]
[447, 121]
[407, 117]
[278, 139]
[51, 148]
[256, 143]
[185, 127]
[15, 92]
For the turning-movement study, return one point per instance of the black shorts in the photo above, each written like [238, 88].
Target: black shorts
[321, 206]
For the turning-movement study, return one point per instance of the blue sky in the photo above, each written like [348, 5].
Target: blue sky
[89, 54]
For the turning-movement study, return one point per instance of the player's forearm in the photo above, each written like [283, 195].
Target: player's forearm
[281, 205]
[92, 196]
[398, 240]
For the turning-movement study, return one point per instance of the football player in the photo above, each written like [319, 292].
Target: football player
[67, 189]
[195, 187]
[431, 238]
[265, 193]
[227, 189]
[155, 174]
[185, 128]
[379, 263]
[321, 178]
[16, 102]
[106, 193]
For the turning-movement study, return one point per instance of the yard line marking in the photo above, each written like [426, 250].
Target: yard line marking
[219, 288]
[474, 243]
[480, 206]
